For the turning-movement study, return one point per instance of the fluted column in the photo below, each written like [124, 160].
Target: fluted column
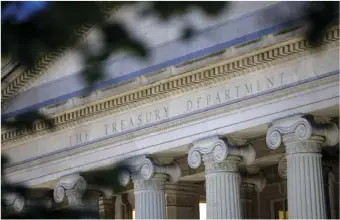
[248, 186]
[221, 161]
[149, 186]
[182, 201]
[303, 139]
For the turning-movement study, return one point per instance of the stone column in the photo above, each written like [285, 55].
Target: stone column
[79, 194]
[303, 139]
[149, 186]
[182, 201]
[248, 186]
[221, 161]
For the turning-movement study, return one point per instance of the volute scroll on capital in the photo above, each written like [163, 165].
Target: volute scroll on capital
[220, 149]
[145, 168]
[14, 202]
[303, 127]
[72, 185]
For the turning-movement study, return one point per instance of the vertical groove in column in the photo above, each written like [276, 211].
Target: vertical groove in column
[306, 188]
[302, 186]
[311, 163]
[232, 180]
[150, 199]
[321, 192]
[305, 192]
[223, 196]
[316, 198]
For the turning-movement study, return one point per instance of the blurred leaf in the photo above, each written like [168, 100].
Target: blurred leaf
[106, 178]
[188, 33]
[26, 121]
[320, 15]
[330, 153]
[93, 72]
[166, 10]
[48, 30]
[117, 38]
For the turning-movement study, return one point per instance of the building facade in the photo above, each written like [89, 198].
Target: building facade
[242, 118]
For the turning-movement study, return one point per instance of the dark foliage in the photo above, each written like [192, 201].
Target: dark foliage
[319, 16]
[26, 121]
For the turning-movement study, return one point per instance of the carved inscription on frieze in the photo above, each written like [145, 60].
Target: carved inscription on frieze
[235, 91]
[136, 120]
[255, 83]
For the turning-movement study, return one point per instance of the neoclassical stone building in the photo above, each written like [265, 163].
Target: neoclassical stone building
[239, 122]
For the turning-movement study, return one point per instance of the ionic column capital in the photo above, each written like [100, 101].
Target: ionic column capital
[73, 187]
[144, 168]
[216, 150]
[299, 128]
[14, 202]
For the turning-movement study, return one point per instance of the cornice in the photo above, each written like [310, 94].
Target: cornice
[24, 79]
[215, 74]
[176, 124]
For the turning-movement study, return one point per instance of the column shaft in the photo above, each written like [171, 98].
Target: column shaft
[306, 197]
[150, 199]
[223, 189]
[223, 196]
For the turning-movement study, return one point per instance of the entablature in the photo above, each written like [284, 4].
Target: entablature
[214, 74]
